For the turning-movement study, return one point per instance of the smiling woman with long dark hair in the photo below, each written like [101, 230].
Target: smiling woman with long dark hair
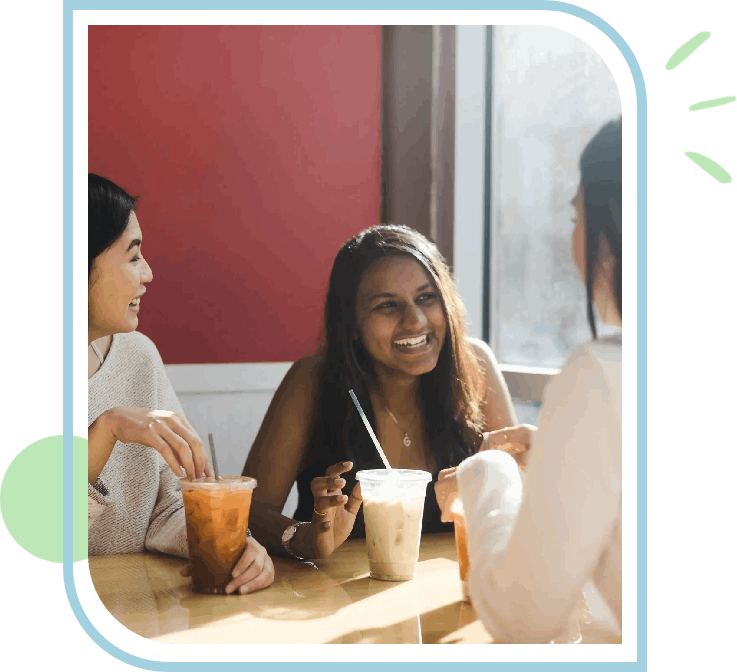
[394, 332]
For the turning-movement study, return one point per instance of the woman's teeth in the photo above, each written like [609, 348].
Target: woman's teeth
[135, 302]
[409, 343]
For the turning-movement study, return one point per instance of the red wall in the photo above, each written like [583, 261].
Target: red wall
[255, 153]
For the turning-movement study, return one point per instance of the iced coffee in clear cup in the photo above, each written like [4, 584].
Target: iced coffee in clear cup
[217, 527]
[459, 523]
[393, 502]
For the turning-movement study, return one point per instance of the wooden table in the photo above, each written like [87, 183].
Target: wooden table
[331, 601]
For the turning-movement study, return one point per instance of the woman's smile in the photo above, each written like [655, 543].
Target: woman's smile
[414, 345]
[135, 304]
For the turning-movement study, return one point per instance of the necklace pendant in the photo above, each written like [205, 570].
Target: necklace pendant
[406, 440]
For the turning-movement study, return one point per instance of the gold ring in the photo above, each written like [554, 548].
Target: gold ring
[320, 513]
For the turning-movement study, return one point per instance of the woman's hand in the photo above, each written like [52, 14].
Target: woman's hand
[513, 440]
[170, 434]
[254, 571]
[446, 492]
[335, 513]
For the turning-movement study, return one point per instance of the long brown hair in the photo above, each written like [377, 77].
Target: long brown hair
[451, 394]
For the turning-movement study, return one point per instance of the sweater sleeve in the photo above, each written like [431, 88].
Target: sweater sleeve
[529, 561]
[98, 498]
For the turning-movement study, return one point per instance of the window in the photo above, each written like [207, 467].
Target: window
[546, 96]
[550, 94]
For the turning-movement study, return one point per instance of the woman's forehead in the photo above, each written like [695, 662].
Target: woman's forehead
[394, 275]
[131, 233]
[133, 230]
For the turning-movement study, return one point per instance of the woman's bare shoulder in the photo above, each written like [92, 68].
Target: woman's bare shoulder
[480, 348]
[483, 352]
[305, 373]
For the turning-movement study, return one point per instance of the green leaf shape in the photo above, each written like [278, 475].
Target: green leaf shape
[687, 49]
[715, 170]
[711, 103]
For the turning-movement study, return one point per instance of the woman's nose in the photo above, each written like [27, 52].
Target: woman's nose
[147, 274]
[414, 317]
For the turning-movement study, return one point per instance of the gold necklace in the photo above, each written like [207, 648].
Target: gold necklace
[406, 440]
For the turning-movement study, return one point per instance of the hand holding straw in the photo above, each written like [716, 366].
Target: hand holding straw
[370, 431]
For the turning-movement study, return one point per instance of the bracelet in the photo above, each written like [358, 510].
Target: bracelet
[320, 513]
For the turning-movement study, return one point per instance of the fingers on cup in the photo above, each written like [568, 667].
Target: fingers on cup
[252, 571]
[263, 580]
[197, 448]
[163, 448]
[181, 449]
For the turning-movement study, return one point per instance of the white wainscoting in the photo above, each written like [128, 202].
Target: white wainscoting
[229, 401]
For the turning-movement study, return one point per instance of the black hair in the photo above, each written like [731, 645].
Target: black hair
[109, 209]
[601, 179]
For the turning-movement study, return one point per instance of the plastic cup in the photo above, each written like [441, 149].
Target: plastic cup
[459, 524]
[393, 502]
[217, 527]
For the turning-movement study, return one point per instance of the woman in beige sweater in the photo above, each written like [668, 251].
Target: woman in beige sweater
[139, 440]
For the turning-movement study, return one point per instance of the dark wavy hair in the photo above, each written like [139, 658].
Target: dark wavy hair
[109, 209]
[451, 394]
[601, 178]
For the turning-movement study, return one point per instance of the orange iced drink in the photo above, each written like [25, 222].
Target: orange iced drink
[459, 523]
[217, 527]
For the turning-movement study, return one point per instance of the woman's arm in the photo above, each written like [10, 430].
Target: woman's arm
[278, 452]
[497, 407]
[526, 576]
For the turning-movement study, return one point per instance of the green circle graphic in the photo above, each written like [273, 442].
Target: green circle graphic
[31, 499]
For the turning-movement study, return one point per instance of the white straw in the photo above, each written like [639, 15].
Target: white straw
[214, 459]
[370, 431]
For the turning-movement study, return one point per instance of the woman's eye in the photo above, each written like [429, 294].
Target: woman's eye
[387, 305]
[426, 298]
[136, 258]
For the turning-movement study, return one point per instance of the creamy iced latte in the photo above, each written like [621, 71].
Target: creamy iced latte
[393, 501]
[393, 537]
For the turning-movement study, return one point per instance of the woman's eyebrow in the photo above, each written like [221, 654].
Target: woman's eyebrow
[391, 296]
[134, 243]
[427, 285]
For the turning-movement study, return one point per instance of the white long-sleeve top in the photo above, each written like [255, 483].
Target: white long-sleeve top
[531, 554]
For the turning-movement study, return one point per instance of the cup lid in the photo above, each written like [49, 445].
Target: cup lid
[399, 475]
[225, 482]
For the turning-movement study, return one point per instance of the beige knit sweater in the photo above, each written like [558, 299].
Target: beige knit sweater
[136, 504]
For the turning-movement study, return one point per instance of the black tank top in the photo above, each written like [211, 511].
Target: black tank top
[305, 504]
